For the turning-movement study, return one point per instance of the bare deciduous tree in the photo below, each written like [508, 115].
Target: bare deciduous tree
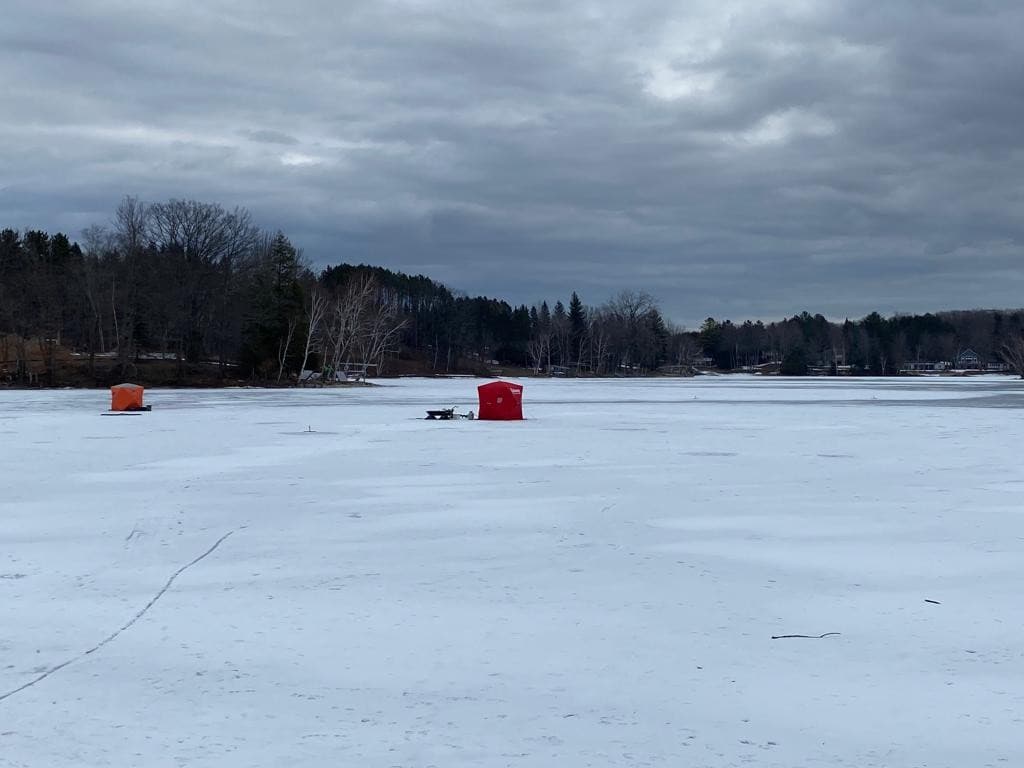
[537, 348]
[342, 327]
[599, 332]
[380, 332]
[1012, 353]
[363, 322]
[284, 344]
[315, 311]
[628, 320]
[131, 232]
[203, 240]
[97, 244]
[683, 347]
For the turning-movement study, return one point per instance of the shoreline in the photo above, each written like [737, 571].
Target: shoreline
[380, 380]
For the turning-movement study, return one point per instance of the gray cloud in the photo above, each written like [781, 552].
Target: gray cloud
[267, 136]
[733, 158]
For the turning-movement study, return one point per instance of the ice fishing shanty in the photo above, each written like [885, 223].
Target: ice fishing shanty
[500, 401]
[127, 397]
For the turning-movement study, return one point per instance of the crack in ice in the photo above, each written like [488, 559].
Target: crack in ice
[113, 635]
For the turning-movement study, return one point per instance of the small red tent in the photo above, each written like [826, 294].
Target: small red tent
[501, 401]
[126, 397]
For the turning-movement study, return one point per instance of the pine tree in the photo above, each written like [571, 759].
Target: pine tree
[577, 326]
[577, 315]
[277, 309]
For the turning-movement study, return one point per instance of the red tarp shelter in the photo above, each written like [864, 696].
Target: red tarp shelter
[500, 401]
[126, 397]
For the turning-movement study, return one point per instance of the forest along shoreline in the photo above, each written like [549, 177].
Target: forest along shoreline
[189, 294]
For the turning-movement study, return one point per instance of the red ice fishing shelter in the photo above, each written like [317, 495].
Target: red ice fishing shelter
[501, 401]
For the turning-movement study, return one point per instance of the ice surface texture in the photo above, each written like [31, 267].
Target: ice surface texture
[595, 586]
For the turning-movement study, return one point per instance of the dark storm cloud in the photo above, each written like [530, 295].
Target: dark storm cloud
[737, 159]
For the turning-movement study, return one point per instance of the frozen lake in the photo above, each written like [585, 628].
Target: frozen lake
[596, 586]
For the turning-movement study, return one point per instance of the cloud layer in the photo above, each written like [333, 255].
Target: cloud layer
[740, 159]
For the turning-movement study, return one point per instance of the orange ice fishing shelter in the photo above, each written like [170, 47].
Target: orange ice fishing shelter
[126, 397]
[500, 401]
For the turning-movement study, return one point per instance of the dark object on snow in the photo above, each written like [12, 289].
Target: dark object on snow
[447, 414]
[809, 637]
[933, 602]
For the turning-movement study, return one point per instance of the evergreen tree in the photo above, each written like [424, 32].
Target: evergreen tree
[276, 308]
[544, 316]
[577, 316]
[577, 327]
[659, 335]
[794, 363]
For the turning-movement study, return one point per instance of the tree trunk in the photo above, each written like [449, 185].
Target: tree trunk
[282, 352]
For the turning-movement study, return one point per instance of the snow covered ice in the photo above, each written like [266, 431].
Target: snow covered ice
[595, 586]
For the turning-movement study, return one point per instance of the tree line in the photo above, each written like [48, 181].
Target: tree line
[873, 345]
[199, 293]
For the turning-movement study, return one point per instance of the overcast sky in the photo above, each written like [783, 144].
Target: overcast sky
[736, 159]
